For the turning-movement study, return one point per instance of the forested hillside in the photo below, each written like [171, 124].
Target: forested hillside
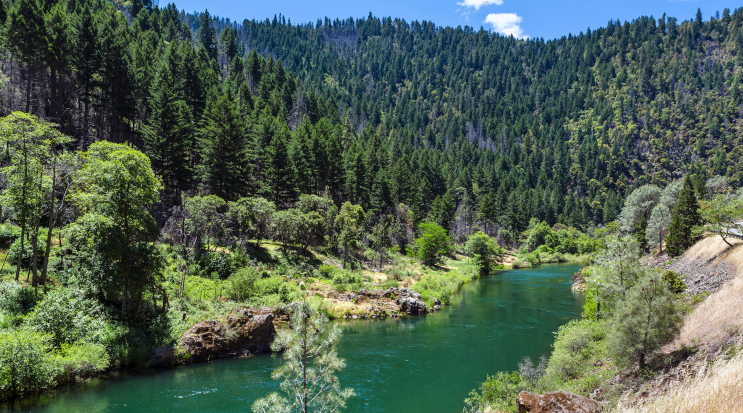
[469, 128]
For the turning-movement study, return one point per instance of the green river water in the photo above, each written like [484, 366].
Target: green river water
[421, 364]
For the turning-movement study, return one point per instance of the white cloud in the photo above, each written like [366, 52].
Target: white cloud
[479, 3]
[507, 24]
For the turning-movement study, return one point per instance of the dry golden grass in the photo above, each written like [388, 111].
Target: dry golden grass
[713, 248]
[718, 389]
[716, 318]
[721, 314]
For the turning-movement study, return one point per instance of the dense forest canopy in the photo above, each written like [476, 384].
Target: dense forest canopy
[469, 128]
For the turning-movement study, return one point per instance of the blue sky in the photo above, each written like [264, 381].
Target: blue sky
[522, 18]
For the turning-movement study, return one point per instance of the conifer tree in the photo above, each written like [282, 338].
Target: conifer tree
[224, 150]
[685, 218]
[310, 362]
[168, 136]
[207, 35]
[281, 177]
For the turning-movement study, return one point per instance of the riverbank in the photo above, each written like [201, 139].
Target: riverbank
[416, 364]
[703, 360]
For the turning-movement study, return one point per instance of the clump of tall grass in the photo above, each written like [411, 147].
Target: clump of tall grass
[713, 390]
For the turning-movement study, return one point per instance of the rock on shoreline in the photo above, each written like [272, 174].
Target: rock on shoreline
[245, 331]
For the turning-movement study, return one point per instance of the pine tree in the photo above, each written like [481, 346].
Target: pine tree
[310, 362]
[685, 218]
[27, 35]
[168, 136]
[224, 150]
[207, 35]
[281, 177]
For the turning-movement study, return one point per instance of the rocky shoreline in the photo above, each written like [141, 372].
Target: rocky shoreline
[247, 331]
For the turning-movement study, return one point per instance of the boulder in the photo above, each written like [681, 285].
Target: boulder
[411, 303]
[164, 356]
[556, 402]
[245, 331]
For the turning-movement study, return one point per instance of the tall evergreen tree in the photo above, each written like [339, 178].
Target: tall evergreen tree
[207, 35]
[224, 150]
[685, 218]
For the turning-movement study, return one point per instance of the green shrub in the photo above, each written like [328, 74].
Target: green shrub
[284, 291]
[578, 345]
[327, 271]
[26, 362]
[643, 322]
[675, 281]
[203, 289]
[218, 264]
[520, 264]
[441, 285]
[242, 284]
[15, 299]
[346, 277]
[498, 392]
[81, 361]
[68, 317]
[27, 253]
[432, 245]
[8, 234]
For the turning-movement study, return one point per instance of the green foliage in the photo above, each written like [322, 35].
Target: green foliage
[498, 392]
[685, 218]
[722, 216]
[675, 281]
[241, 285]
[310, 364]
[432, 245]
[67, 316]
[442, 285]
[342, 277]
[16, 299]
[484, 251]
[579, 345]
[646, 320]
[81, 361]
[114, 191]
[26, 362]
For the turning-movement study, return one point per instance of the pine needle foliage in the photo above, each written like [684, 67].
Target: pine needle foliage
[685, 218]
[311, 360]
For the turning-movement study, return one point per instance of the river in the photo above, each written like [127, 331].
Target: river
[414, 365]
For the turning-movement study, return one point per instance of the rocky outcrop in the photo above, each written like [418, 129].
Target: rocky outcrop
[410, 303]
[386, 303]
[243, 332]
[556, 402]
[579, 281]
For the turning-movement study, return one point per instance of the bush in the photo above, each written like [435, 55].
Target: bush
[441, 286]
[675, 281]
[484, 251]
[578, 344]
[242, 284]
[498, 392]
[327, 271]
[432, 245]
[520, 264]
[218, 264]
[283, 291]
[81, 361]
[346, 277]
[68, 317]
[8, 234]
[26, 362]
[643, 322]
[15, 299]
